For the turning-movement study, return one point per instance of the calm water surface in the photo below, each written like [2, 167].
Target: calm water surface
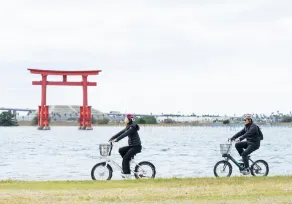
[66, 153]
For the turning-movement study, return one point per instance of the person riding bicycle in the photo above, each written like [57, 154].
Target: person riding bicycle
[134, 142]
[251, 134]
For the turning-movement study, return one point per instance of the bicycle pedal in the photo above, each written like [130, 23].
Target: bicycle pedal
[140, 175]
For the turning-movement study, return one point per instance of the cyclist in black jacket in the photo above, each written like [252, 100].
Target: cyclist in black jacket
[251, 134]
[134, 142]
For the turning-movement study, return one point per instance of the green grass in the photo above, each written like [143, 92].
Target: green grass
[190, 190]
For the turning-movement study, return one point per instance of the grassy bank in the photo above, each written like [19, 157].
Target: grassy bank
[193, 190]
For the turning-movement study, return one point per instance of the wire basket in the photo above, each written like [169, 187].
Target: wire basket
[225, 148]
[105, 149]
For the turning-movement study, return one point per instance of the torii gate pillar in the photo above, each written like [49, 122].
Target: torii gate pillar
[85, 110]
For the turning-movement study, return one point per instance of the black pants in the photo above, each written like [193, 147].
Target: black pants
[127, 153]
[249, 148]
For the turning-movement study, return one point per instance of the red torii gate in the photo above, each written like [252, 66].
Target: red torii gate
[85, 110]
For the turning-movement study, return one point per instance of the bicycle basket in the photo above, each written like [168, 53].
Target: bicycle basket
[105, 149]
[225, 148]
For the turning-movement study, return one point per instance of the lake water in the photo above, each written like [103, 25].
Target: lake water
[66, 153]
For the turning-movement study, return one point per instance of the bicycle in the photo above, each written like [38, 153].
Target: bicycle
[136, 169]
[255, 167]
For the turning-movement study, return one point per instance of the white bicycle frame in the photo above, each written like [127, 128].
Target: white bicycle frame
[111, 162]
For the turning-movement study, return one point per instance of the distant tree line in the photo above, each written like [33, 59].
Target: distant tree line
[286, 119]
[226, 122]
[8, 119]
[146, 120]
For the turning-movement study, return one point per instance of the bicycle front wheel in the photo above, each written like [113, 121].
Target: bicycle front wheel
[101, 171]
[222, 169]
[145, 169]
[259, 168]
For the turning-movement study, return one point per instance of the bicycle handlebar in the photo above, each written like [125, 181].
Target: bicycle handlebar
[112, 143]
[229, 140]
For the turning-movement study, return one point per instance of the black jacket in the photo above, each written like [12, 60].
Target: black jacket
[250, 133]
[132, 132]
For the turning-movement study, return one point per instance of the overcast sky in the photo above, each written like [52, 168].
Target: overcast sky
[187, 56]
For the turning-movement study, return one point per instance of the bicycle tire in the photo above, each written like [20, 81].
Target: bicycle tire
[110, 170]
[224, 162]
[146, 163]
[252, 170]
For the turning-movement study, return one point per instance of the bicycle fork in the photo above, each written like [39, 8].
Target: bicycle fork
[225, 164]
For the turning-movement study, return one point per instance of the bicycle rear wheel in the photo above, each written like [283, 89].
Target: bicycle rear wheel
[259, 168]
[101, 171]
[222, 167]
[145, 169]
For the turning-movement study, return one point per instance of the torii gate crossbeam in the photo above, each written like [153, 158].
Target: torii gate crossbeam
[85, 110]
